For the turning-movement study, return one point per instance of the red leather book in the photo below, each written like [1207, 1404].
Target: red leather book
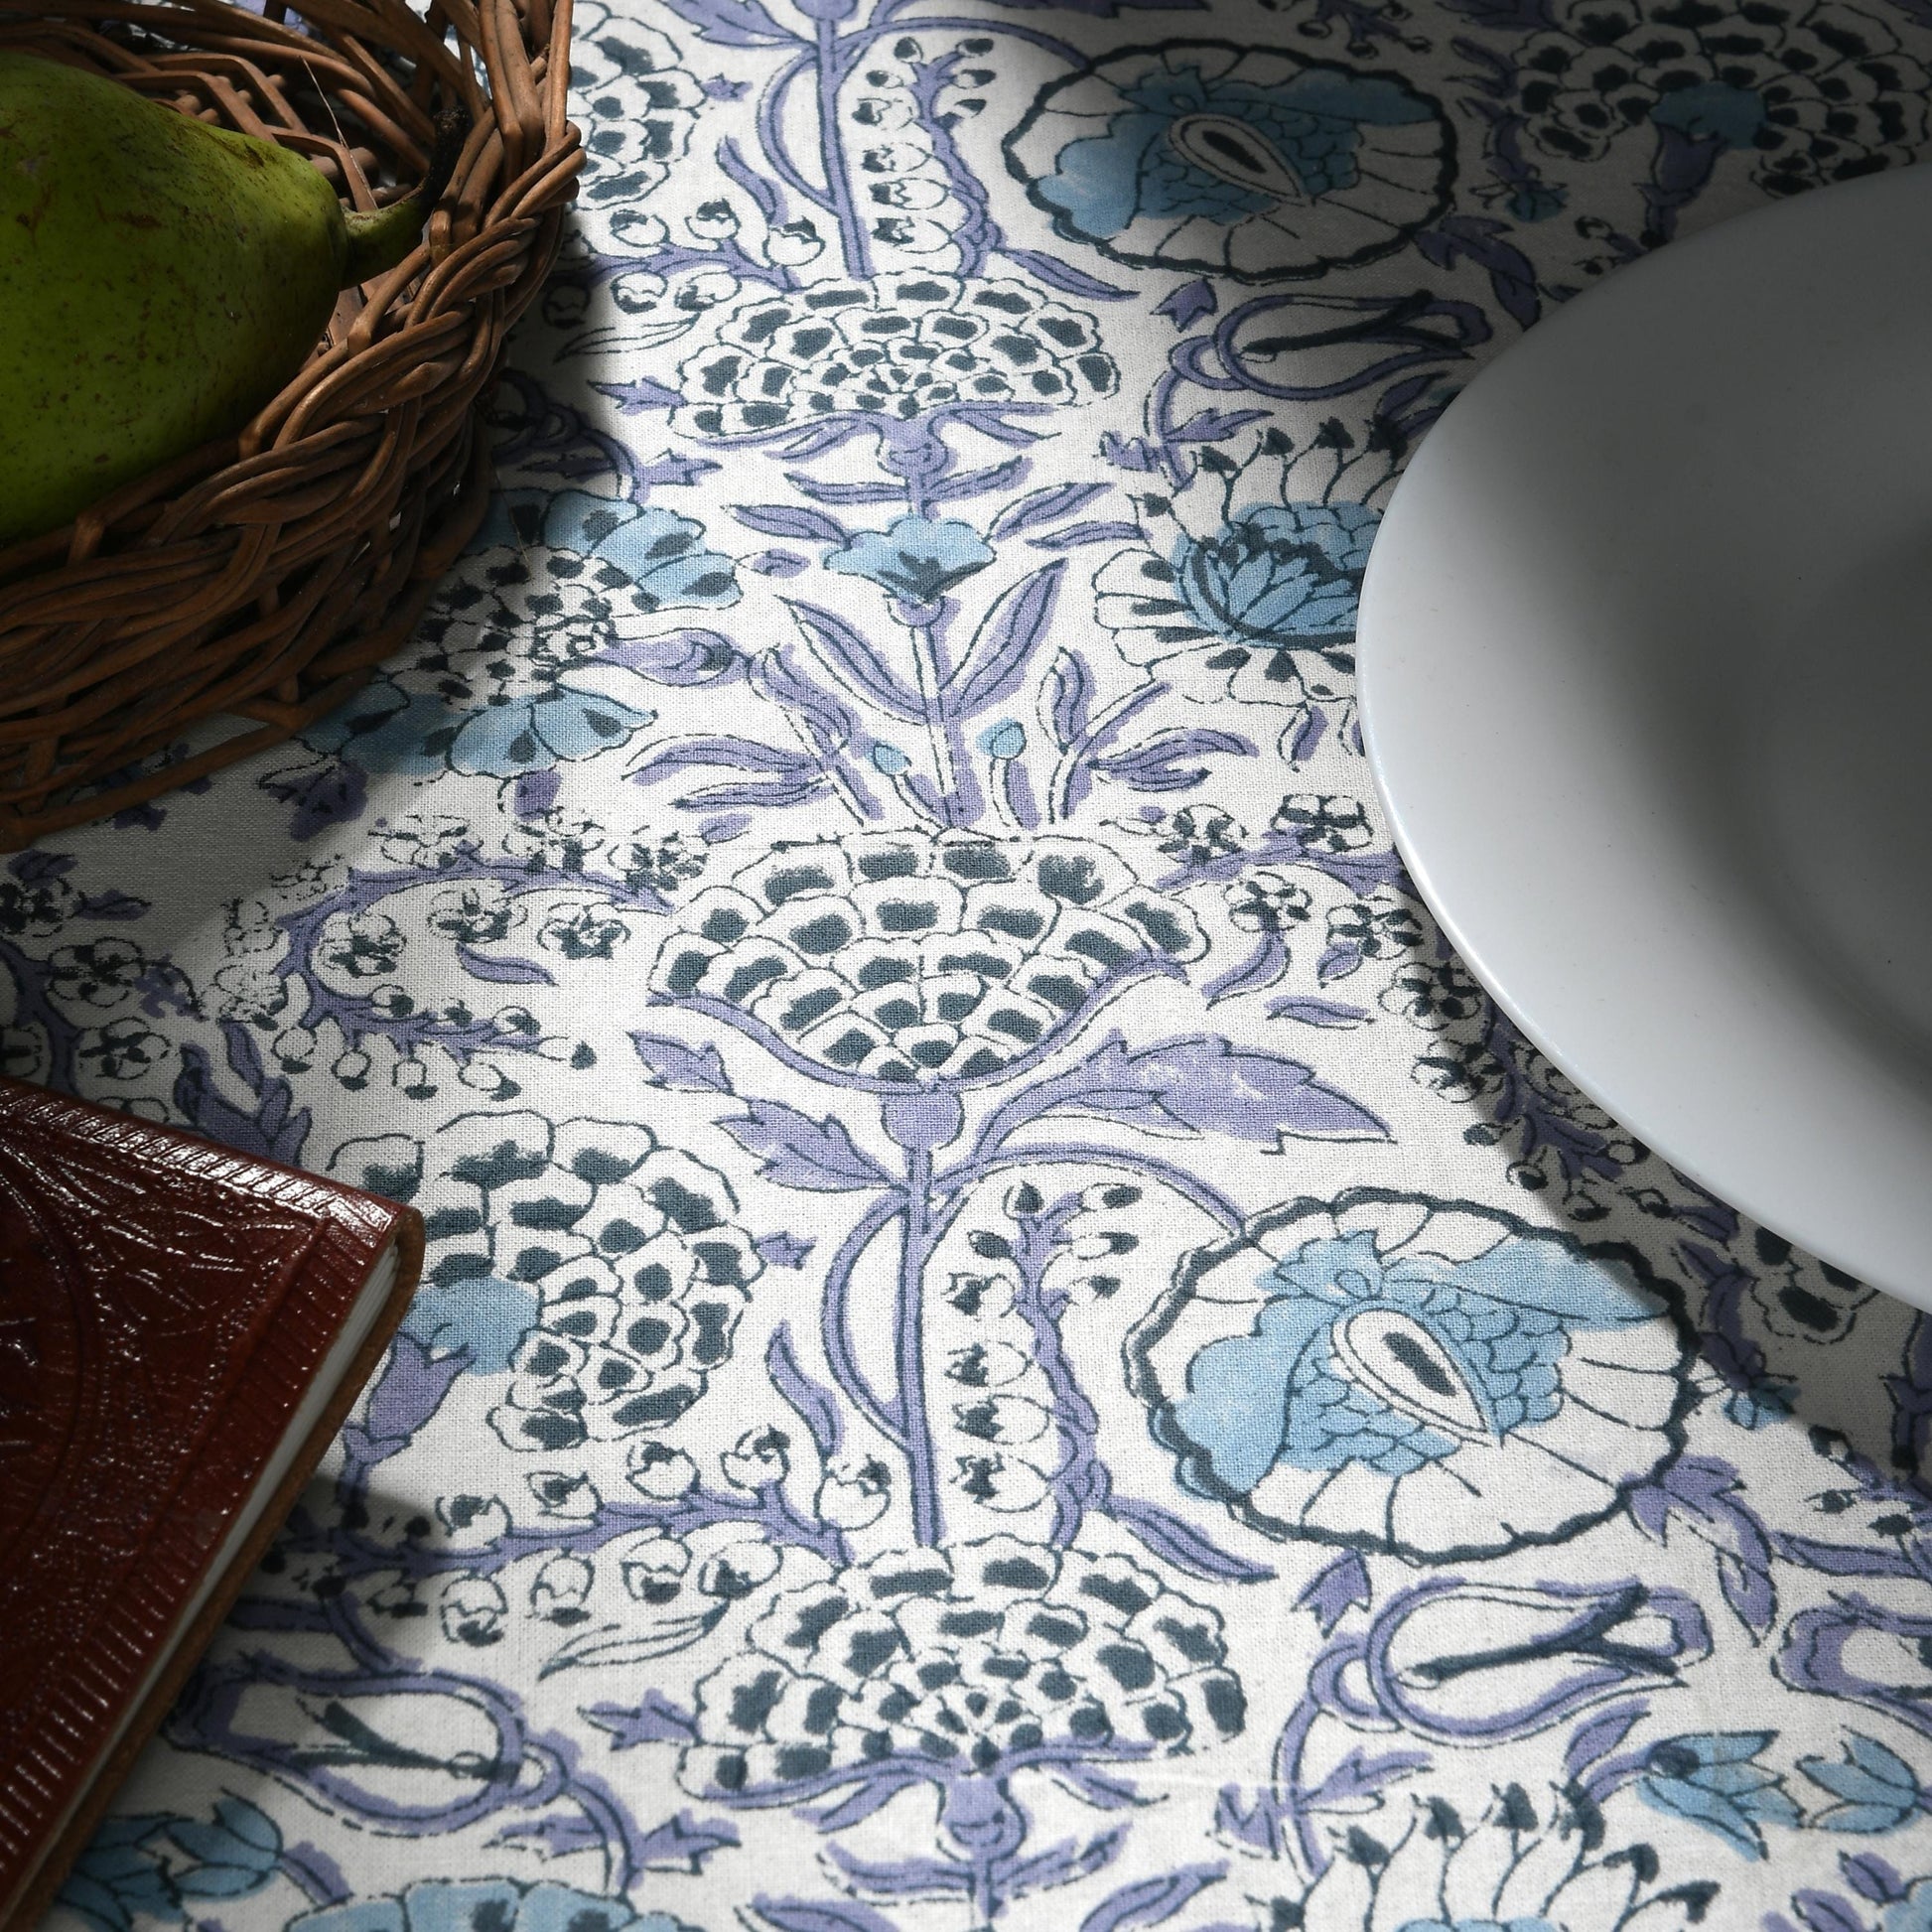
[182, 1331]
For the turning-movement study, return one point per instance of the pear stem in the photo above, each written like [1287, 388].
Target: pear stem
[384, 238]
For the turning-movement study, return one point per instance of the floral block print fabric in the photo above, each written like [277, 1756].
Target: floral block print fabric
[1009, 1339]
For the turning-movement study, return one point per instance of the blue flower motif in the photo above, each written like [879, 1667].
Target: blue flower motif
[385, 728]
[576, 718]
[1712, 1779]
[1531, 1923]
[149, 1863]
[917, 558]
[1243, 161]
[485, 1314]
[658, 557]
[533, 667]
[1913, 1912]
[1468, 1362]
[502, 1904]
[1876, 1790]
[1272, 596]
[1762, 1407]
[1537, 202]
[1391, 1379]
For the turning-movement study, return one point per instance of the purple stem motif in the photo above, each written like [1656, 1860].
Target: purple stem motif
[920, 1237]
[1073, 776]
[1282, 1819]
[460, 1037]
[1081, 1479]
[1679, 172]
[772, 131]
[978, 234]
[833, 64]
[1821, 1645]
[829, 61]
[314, 1872]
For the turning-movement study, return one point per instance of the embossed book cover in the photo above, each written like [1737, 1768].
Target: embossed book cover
[183, 1329]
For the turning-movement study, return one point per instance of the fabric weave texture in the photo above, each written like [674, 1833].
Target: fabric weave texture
[1008, 1338]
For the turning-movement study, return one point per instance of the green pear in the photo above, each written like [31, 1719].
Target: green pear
[160, 280]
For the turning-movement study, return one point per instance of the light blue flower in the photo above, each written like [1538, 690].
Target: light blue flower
[384, 728]
[1712, 1779]
[1877, 1791]
[1305, 135]
[1388, 1371]
[534, 667]
[1913, 1912]
[1273, 597]
[1444, 1353]
[1537, 202]
[659, 556]
[576, 717]
[482, 1313]
[146, 1864]
[485, 1906]
[1250, 162]
[1713, 111]
[1762, 1407]
[234, 1856]
[917, 558]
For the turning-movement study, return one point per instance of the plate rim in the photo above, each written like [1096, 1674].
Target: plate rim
[1751, 1193]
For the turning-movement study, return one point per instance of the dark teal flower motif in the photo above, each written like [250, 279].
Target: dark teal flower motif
[894, 961]
[485, 1906]
[897, 348]
[1387, 1371]
[1243, 161]
[1875, 1789]
[1271, 597]
[1806, 96]
[917, 558]
[1712, 1779]
[35, 905]
[951, 1667]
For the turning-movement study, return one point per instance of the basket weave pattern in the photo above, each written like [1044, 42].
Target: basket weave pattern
[260, 579]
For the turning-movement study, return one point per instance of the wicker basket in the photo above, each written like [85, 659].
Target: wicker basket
[258, 580]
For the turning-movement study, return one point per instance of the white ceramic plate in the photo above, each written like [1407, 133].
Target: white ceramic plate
[1646, 679]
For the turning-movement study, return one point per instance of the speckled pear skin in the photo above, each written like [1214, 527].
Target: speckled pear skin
[160, 279]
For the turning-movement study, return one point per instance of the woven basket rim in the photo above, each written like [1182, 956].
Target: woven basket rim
[262, 575]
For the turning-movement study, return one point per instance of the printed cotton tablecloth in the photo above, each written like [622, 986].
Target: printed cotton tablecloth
[1009, 1339]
